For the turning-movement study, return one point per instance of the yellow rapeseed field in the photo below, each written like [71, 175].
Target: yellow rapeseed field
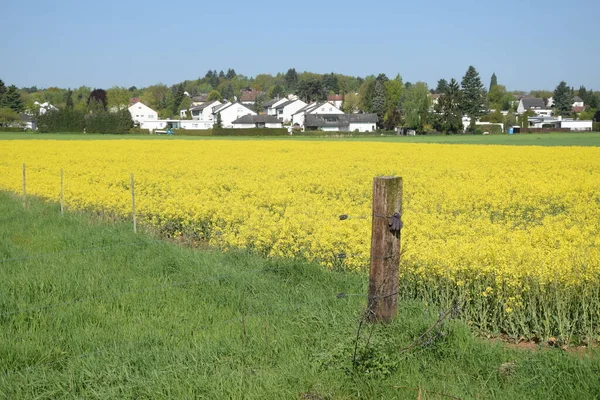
[513, 233]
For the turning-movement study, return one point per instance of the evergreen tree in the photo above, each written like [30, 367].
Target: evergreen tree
[493, 81]
[178, 92]
[219, 122]
[583, 93]
[291, 79]
[378, 102]
[12, 99]
[448, 109]
[442, 86]
[2, 91]
[69, 99]
[563, 100]
[473, 95]
[221, 75]
[230, 74]
[277, 91]
[228, 92]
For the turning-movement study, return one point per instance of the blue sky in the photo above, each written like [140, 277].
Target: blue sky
[529, 44]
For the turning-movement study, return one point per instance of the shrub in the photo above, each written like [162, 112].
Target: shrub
[11, 129]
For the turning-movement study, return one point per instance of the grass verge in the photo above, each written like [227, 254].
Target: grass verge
[90, 310]
[539, 139]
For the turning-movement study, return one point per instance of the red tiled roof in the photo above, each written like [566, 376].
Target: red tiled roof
[579, 109]
[334, 97]
[249, 95]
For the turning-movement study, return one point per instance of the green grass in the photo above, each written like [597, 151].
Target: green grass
[540, 139]
[90, 310]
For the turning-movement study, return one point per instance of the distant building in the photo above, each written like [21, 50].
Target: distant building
[141, 113]
[257, 121]
[336, 100]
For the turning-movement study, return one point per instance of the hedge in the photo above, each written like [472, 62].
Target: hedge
[250, 132]
[493, 129]
[596, 126]
[193, 132]
[68, 120]
[11, 129]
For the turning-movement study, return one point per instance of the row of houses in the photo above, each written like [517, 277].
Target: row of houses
[544, 114]
[290, 111]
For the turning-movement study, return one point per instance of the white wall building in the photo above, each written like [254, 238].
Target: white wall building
[287, 109]
[142, 113]
[204, 111]
[257, 121]
[231, 112]
[272, 109]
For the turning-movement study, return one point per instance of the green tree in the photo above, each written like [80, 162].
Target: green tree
[12, 99]
[394, 88]
[351, 103]
[8, 116]
[562, 99]
[118, 98]
[310, 90]
[97, 100]
[259, 103]
[291, 79]
[277, 91]
[214, 95]
[510, 120]
[219, 122]
[378, 104]
[330, 83]
[69, 99]
[230, 74]
[497, 98]
[365, 94]
[449, 115]
[473, 96]
[493, 81]
[415, 106]
[228, 92]
[2, 91]
[178, 93]
[442, 86]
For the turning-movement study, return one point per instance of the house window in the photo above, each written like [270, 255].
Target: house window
[330, 109]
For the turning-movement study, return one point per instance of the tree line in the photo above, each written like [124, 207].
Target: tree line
[397, 103]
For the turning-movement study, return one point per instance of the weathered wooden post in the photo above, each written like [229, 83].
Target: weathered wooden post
[24, 186]
[133, 204]
[62, 193]
[385, 249]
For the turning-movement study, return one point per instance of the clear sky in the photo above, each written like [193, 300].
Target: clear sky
[529, 44]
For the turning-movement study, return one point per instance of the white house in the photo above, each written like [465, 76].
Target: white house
[336, 100]
[315, 108]
[285, 110]
[559, 122]
[175, 124]
[141, 113]
[231, 112]
[203, 112]
[272, 108]
[44, 107]
[341, 122]
[257, 121]
[533, 104]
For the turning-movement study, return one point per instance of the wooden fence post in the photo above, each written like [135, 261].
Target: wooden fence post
[133, 204]
[62, 201]
[385, 249]
[24, 186]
